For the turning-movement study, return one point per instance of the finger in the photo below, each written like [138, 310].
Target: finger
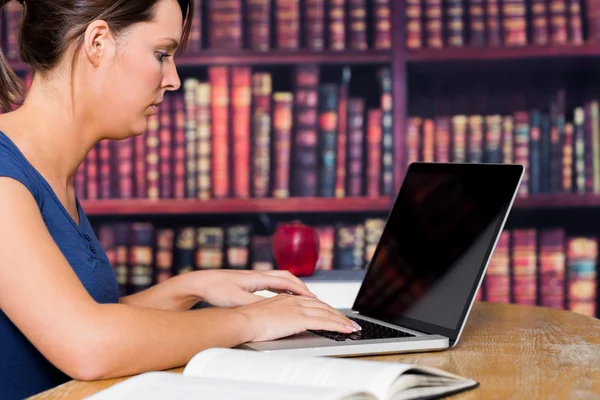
[275, 283]
[329, 313]
[312, 302]
[288, 275]
[325, 324]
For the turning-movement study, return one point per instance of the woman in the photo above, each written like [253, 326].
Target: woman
[101, 68]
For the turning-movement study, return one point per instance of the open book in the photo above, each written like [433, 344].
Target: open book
[233, 374]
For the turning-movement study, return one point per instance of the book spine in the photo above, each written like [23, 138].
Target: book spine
[288, 22]
[314, 24]
[356, 134]
[493, 138]
[475, 137]
[593, 20]
[194, 44]
[342, 136]
[414, 26]
[328, 126]
[568, 150]
[575, 22]
[558, 21]
[442, 139]
[219, 103]
[497, 279]
[455, 24]
[238, 246]
[259, 24]
[336, 12]
[357, 14]
[477, 24]
[374, 117]
[152, 162]
[209, 248]
[387, 132]
[141, 256]
[534, 152]
[521, 149]
[459, 138]
[413, 140]
[282, 127]
[164, 254]
[241, 99]
[552, 268]
[165, 151]
[579, 150]
[382, 25]
[179, 150]
[261, 127]
[203, 142]
[514, 23]
[191, 133]
[428, 140]
[304, 171]
[225, 26]
[494, 27]
[183, 257]
[582, 257]
[539, 22]
[524, 266]
[105, 169]
[326, 247]
[508, 127]
[434, 31]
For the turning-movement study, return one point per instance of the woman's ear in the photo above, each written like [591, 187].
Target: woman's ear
[98, 42]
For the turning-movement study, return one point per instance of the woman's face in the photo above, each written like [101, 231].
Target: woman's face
[136, 71]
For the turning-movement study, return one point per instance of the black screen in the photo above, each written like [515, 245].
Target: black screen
[436, 242]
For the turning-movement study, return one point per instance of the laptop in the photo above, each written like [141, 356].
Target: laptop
[425, 272]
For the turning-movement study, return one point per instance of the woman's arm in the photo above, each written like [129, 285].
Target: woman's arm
[44, 298]
[221, 288]
[176, 294]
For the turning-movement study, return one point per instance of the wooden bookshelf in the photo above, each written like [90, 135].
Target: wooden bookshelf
[559, 201]
[502, 53]
[282, 57]
[297, 205]
[274, 57]
[234, 206]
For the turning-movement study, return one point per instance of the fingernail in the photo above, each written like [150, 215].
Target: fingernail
[353, 329]
[357, 326]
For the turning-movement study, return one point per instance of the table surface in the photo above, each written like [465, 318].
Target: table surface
[513, 351]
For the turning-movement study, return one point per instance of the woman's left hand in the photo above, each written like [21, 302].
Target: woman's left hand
[231, 288]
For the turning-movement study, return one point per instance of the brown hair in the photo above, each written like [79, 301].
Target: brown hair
[49, 27]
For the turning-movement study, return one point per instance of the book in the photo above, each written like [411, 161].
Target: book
[235, 374]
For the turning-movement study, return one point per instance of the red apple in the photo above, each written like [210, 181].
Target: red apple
[296, 248]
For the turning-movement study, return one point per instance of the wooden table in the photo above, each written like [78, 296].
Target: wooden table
[513, 351]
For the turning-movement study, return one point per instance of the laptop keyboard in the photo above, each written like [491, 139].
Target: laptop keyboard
[369, 330]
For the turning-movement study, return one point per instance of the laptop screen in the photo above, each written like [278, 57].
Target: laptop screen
[436, 243]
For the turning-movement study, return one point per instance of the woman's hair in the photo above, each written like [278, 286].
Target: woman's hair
[49, 27]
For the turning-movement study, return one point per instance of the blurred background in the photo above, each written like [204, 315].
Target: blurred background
[311, 110]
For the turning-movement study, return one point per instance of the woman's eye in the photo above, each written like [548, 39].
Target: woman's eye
[160, 56]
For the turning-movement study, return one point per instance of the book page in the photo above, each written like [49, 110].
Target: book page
[373, 376]
[168, 385]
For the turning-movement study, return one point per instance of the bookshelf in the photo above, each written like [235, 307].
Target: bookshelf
[235, 206]
[546, 53]
[300, 205]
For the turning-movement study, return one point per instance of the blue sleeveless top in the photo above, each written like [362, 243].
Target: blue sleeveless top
[23, 369]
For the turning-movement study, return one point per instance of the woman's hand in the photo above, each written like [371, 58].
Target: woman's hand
[230, 288]
[285, 315]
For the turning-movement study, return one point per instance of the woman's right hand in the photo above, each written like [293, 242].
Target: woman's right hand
[285, 315]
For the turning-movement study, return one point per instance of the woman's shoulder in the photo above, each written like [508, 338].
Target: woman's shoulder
[13, 164]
